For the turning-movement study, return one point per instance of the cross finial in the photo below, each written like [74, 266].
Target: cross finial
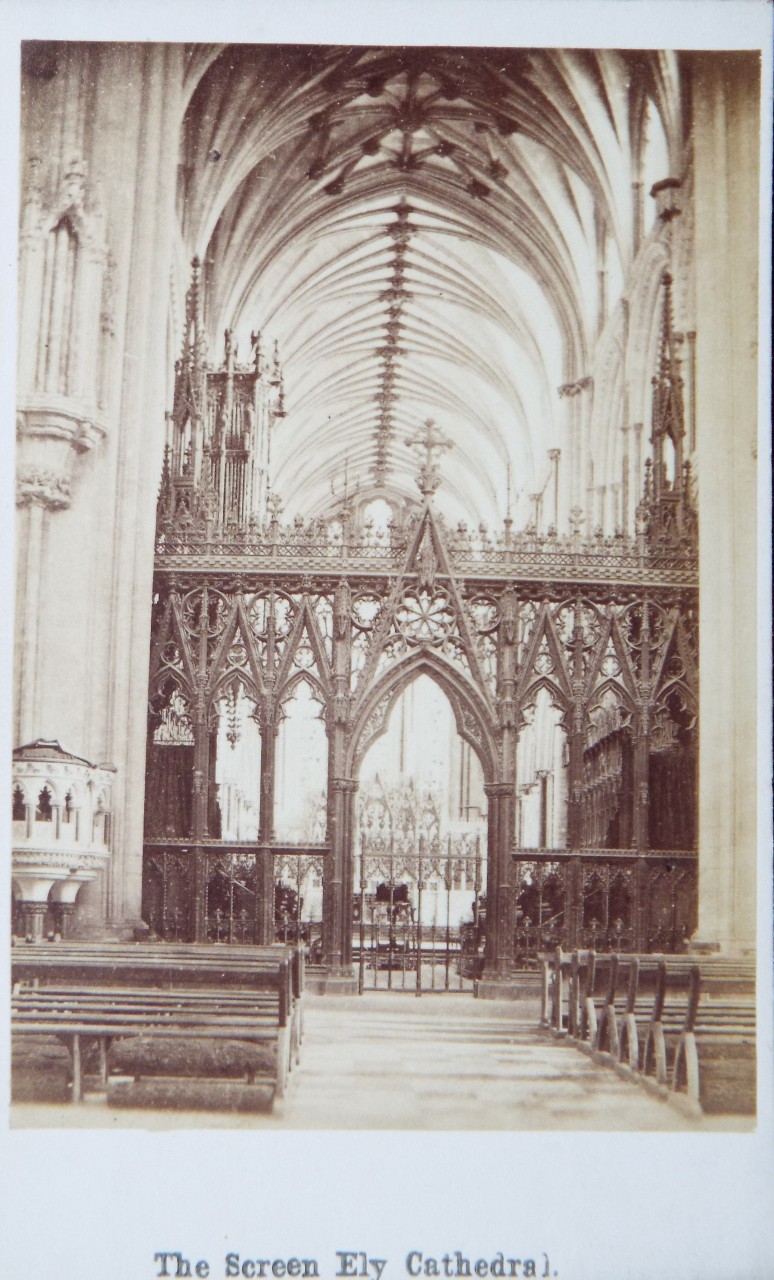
[274, 506]
[432, 440]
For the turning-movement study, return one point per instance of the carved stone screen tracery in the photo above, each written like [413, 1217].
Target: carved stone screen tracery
[593, 636]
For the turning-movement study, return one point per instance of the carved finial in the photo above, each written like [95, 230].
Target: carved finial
[430, 439]
[274, 507]
[193, 338]
[577, 518]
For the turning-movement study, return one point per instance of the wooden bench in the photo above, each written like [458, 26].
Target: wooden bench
[624, 1005]
[167, 964]
[235, 1035]
[683, 1025]
[715, 1056]
[150, 1022]
[108, 992]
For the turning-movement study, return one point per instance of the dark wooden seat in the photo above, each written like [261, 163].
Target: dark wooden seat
[175, 1019]
[228, 1005]
[680, 1024]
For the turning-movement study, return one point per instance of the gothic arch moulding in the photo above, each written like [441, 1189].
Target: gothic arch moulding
[473, 722]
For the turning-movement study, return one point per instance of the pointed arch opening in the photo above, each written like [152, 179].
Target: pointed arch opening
[301, 787]
[541, 773]
[420, 834]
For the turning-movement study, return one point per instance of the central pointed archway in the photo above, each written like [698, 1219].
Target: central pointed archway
[418, 854]
[419, 837]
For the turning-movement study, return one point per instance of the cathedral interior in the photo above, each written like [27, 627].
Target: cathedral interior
[386, 441]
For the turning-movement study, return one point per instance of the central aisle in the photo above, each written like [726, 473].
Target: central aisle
[392, 1061]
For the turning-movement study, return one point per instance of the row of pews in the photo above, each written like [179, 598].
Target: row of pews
[157, 1025]
[683, 1026]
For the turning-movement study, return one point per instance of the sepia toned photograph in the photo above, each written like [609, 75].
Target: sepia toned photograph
[385, 724]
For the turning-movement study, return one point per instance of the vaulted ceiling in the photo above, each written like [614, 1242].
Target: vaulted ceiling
[427, 233]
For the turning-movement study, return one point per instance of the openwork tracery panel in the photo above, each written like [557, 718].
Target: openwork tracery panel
[250, 611]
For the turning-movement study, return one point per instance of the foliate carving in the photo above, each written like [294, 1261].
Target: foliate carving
[44, 487]
[174, 728]
[34, 858]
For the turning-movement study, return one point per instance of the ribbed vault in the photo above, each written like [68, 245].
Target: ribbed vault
[425, 233]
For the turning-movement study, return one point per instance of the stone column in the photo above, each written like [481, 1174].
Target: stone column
[554, 457]
[501, 794]
[140, 172]
[500, 888]
[337, 916]
[726, 106]
[93, 450]
[625, 521]
[264, 905]
[578, 426]
[338, 886]
[34, 886]
[575, 740]
[31, 528]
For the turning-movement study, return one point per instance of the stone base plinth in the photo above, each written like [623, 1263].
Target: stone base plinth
[335, 982]
[513, 986]
[91, 929]
[703, 947]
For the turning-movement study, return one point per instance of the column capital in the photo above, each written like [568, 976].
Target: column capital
[665, 194]
[499, 789]
[345, 784]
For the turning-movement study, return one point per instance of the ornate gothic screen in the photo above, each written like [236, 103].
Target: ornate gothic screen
[446, 443]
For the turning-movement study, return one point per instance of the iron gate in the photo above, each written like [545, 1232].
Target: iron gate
[419, 917]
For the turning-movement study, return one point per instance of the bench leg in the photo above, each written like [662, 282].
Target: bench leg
[685, 1072]
[103, 1067]
[77, 1091]
[283, 1057]
[628, 1048]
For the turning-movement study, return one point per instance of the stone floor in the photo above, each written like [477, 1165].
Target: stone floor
[392, 1061]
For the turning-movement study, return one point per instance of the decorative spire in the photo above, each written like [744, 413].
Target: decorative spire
[668, 384]
[667, 504]
[193, 338]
